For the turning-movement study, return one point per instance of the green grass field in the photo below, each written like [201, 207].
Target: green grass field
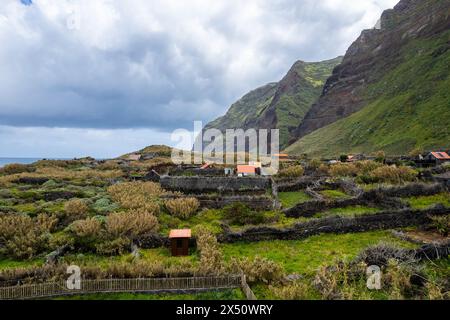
[305, 256]
[290, 199]
[232, 294]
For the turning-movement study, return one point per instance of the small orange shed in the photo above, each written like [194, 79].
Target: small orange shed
[179, 242]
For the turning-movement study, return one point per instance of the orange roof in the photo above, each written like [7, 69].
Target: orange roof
[281, 155]
[246, 169]
[205, 166]
[441, 155]
[180, 233]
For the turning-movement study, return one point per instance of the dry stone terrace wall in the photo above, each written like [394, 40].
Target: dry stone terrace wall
[253, 202]
[198, 184]
[338, 225]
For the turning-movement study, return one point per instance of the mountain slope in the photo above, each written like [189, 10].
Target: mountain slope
[391, 91]
[279, 105]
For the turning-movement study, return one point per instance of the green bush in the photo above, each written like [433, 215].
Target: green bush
[240, 214]
[441, 224]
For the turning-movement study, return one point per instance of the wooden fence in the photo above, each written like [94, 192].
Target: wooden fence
[148, 285]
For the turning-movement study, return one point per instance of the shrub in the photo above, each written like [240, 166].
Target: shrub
[211, 260]
[117, 246]
[258, 269]
[343, 158]
[381, 253]
[343, 170]
[441, 224]
[22, 237]
[137, 195]
[76, 209]
[366, 166]
[397, 277]
[239, 214]
[294, 291]
[380, 156]
[323, 169]
[131, 224]
[88, 228]
[104, 205]
[109, 165]
[393, 174]
[292, 171]
[182, 208]
[15, 168]
[315, 163]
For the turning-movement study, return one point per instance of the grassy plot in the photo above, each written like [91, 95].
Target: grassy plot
[290, 199]
[351, 211]
[305, 256]
[13, 264]
[334, 194]
[425, 202]
[232, 294]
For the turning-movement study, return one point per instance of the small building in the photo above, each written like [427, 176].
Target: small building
[179, 242]
[244, 171]
[438, 157]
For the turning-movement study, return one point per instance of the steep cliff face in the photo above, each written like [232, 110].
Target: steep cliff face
[281, 105]
[371, 56]
[395, 72]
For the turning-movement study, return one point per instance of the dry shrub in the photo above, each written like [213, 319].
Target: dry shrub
[291, 172]
[59, 173]
[397, 277]
[366, 166]
[182, 208]
[343, 170]
[211, 260]
[258, 269]
[109, 165]
[393, 174]
[315, 164]
[89, 229]
[22, 237]
[435, 292]
[323, 169]
[441, 224]
[15, 168]
[137, 195]
[76, 209]
[117, 246]
[295, 291]
[131, 224]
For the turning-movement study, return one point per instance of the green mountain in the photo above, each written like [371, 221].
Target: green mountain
[281, 105]
[392, 90]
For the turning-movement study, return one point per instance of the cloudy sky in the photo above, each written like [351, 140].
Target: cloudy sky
[105, 77]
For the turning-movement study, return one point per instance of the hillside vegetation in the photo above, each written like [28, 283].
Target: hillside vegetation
[410, 108]
[280, 105]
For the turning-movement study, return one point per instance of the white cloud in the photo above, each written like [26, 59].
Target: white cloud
[159, 63]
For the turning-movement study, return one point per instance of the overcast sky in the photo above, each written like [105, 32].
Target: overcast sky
[105, 77]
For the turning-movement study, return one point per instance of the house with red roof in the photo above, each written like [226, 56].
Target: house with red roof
[245, 170]
[439, 157]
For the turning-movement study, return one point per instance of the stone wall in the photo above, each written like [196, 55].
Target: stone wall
[198, 184]
[255, 202]
[380, 221]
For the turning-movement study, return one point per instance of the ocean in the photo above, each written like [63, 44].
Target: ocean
[4, 161]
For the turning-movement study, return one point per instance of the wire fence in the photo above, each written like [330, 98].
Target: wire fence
[147, 285]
